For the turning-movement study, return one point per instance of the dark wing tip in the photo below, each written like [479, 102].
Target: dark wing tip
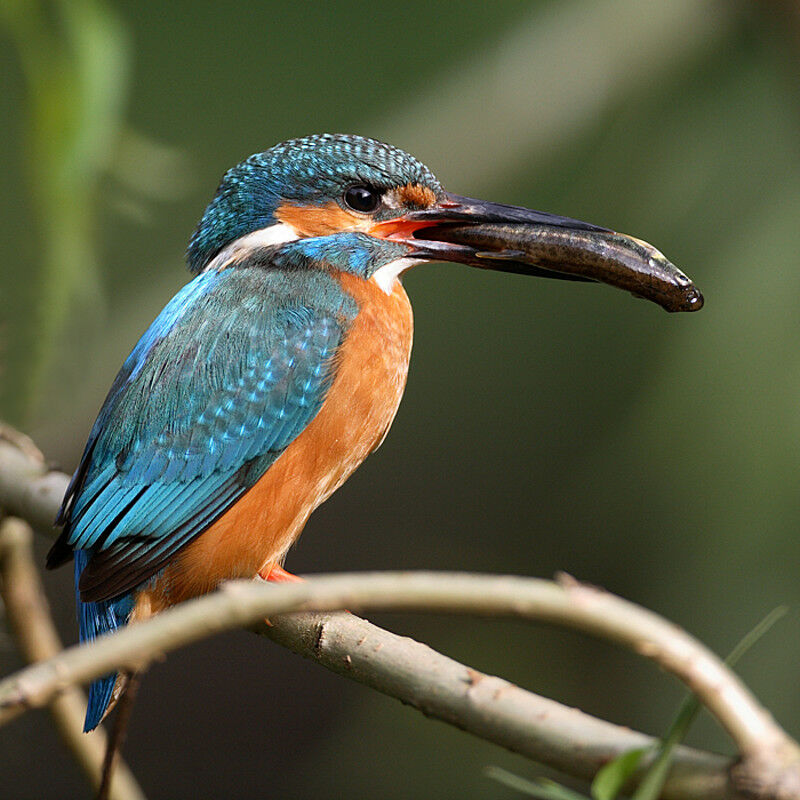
[60, 553]
[106, 576]
[110, 574]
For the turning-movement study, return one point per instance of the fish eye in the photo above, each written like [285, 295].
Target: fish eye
[362, 198]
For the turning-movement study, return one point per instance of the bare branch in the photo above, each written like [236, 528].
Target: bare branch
[489, 707]
[29, 618]
[567, 603]
[486, 706]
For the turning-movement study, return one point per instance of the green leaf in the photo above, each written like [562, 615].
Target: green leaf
[609, 781]
[752, 636]
[538, 787]
[655, 777]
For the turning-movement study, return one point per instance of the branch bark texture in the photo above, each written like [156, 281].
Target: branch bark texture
[489, 707]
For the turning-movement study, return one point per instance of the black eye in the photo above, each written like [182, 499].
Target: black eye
[362, 198]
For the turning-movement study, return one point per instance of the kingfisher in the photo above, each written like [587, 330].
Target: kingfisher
[269, 377]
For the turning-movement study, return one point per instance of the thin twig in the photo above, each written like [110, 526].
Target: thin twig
[29, 618]
[119, 732]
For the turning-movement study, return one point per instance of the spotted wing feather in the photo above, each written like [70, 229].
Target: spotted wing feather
[226, 377]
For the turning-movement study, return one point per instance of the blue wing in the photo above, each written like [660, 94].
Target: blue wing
[232, 370]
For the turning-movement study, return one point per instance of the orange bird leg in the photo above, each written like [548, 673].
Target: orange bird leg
[278, 574]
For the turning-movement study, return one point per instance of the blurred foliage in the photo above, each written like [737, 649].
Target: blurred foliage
[545, 426]
[74, 57]
[541, 788]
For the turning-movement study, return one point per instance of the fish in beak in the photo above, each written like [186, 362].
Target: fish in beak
[511, 239]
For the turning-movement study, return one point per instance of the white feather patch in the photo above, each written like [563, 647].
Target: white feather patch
[386, 275]
[280, 233]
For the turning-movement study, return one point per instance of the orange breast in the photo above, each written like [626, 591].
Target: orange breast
[371, 370]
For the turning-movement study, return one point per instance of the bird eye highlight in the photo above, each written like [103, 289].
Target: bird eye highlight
[362, 198]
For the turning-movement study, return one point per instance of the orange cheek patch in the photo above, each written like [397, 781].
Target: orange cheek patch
[320, 220]
[416, 196]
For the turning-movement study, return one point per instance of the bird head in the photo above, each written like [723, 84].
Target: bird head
[358, 205]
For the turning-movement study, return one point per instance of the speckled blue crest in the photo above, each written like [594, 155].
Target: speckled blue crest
[313, 169]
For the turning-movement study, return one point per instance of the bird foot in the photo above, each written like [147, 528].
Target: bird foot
[277, 574]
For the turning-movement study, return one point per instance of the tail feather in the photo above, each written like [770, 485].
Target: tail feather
[100, 693]
[94, 620]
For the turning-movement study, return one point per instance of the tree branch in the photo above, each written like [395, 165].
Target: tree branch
[489, 707]
[28, 488]
[245, 603]
[30, 622]
[476, 705]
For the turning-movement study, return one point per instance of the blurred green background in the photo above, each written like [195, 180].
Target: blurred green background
[546, 426]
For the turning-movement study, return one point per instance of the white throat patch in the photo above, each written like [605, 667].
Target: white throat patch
[387, 275]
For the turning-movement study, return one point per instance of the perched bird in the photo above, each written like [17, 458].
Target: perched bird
[279, 367]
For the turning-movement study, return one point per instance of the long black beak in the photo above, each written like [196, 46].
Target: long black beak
[511, 239]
